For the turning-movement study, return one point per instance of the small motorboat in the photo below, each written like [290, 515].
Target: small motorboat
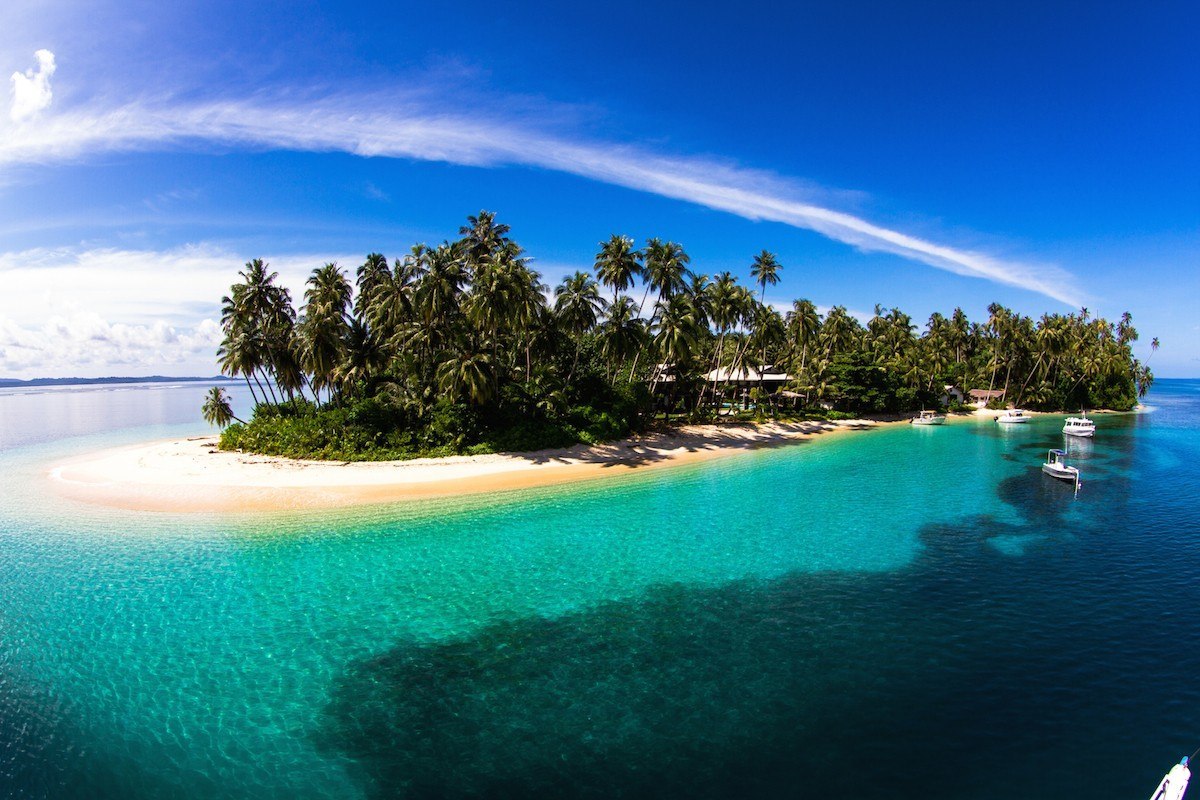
[1013, 415]
[1174, 783]
[1079, 426]
[928, 418]
[1056, 467]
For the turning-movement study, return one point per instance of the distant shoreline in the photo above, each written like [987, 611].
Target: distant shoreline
[193, 476]
[16, 383]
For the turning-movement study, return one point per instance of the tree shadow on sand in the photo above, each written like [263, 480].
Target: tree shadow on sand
[657, 448]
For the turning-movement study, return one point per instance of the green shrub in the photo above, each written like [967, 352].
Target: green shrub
[376, 428]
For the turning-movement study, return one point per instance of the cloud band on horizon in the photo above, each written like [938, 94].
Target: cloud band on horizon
[411, 131]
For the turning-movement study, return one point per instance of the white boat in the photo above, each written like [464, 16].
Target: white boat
[1174, 783]
[928, 418]
[1013, 415]
[1079, 426]
[1056, 467]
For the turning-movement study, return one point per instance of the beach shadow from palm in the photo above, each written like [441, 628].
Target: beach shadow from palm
[657, 448]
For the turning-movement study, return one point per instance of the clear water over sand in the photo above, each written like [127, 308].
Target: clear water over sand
[914, 612]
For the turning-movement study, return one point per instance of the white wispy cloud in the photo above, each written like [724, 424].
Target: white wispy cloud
[31, 90]
[410, 129]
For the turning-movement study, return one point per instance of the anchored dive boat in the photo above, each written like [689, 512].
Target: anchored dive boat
[928, 418]
[1056, 467]
[1174, 783]
[1079, 426]
[1013, 415]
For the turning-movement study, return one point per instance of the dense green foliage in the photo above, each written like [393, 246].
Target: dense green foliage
[374, 428]
[459, 348]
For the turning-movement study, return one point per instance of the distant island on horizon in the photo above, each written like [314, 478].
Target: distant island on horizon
[8, 383]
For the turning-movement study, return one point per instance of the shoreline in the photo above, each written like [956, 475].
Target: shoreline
[191, 476]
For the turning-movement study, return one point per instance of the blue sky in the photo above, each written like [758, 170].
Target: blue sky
[922, 155]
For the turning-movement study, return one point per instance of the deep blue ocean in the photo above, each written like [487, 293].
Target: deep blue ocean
[897, 613]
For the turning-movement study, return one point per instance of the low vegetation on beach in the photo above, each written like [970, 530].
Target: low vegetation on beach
[460, 348]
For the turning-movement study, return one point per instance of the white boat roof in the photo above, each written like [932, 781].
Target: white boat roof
[725, 374]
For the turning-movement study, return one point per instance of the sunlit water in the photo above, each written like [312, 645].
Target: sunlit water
[899, 613]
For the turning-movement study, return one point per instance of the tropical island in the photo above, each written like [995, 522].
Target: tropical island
[459, 349]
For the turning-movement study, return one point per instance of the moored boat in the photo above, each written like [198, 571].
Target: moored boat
[1079, 426]
[928, 418]
[1013, 415]
[1056, 467]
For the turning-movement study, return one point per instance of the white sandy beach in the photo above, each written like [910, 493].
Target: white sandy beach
[192, 475]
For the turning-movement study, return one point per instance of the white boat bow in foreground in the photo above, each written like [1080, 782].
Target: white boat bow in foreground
[1174, 783]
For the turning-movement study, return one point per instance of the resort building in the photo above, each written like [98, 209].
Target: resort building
[769, 378]
[952, 394]
[981, 397]
[734, 385]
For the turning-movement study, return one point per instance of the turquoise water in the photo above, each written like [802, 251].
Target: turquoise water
[918, 612]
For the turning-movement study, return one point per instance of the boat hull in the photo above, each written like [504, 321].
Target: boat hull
[1062, 473]
[1083, 434]
[1012, 420]
[927, 421]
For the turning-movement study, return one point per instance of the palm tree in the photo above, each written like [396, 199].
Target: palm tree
[666, 271]
[256, 317]
[666, 267]
[482, 237]
[374, 271]
[675, 336]
[675, 333]
[240, 353]
[618, 264]
[438, 298]
[489, 306]
[469, 375]
[1143, 378]
[325, 325]
[724, 310]
[998, 324]
[216, 409]
[839, 331]
[768, 332]
[803, 324]
[391, 300]
[364, 357]
[697, 291]
[578, 305]
[531, 318]
[764, 270]
[622, 333]
[959, 332]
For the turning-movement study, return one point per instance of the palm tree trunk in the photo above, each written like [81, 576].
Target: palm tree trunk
[716, 366]
[1025, 385]
[803, 362]
[249, 386]
[261, 390]
[574, 363]
[267, 376]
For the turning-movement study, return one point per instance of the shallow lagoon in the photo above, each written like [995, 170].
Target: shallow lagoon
[914, 612]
